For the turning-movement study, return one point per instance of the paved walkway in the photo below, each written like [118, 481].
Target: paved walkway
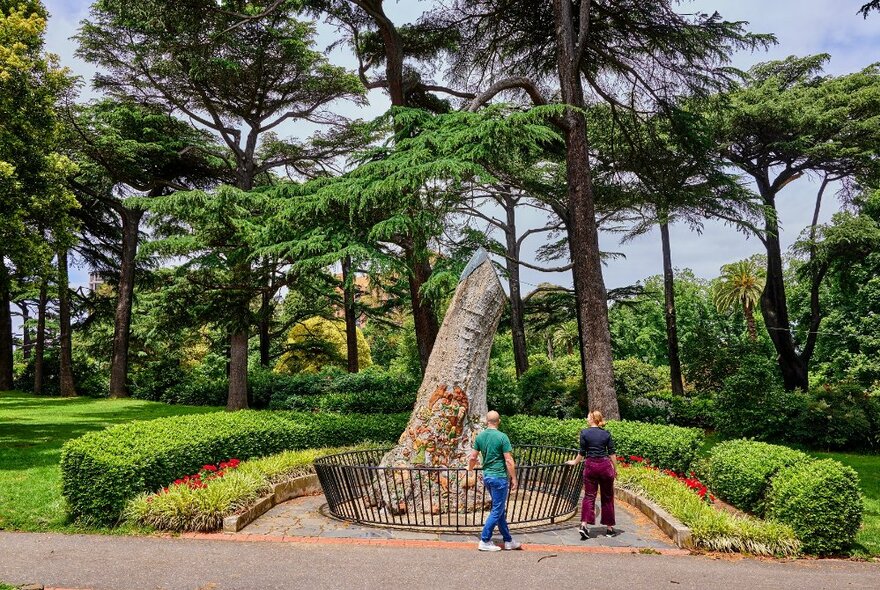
[150, 563]
[306, 517]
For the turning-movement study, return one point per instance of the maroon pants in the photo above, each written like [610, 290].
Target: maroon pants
[598, 475]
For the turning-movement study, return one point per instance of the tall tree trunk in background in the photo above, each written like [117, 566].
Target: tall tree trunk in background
[263, 326]
[423, 312]
[589, 285]
[750, 322]
[27, 344]
[671, 326]
[351, 346]
[65, 357]
[517, 323]
[131, 219]
[5, 329]
[40, 346]
[774, 306]
[238, 365]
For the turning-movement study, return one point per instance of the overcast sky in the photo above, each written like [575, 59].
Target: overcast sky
[801, 26]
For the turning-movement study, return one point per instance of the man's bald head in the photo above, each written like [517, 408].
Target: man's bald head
[493, 417]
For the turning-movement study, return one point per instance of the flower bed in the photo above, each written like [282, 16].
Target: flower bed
[200, 502]
[711, 529]
[691, 480]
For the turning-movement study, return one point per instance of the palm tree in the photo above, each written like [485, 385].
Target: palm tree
[740, 283]
[567, 336]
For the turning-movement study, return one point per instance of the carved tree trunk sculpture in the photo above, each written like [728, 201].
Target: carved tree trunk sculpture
[451, 403]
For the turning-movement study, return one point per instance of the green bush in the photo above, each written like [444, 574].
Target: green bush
[502, 391]
[634, 377]
[821, 501]
[664, 407]
[843, 416]
[711, 529]
[102, 470]
[542, 391]
[359, 403]
[739, 471]
[667, 447]
[651, 408]
[753, 404]
[279, 391]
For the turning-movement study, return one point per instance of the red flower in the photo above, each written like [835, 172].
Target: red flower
[209, 467]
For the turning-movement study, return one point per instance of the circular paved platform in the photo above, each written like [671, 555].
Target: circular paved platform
[307, 517]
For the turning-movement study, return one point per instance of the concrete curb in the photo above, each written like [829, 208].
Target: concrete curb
[282, 492]
[678, 532]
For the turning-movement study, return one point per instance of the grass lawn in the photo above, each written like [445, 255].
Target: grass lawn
[32, 431]
[868, 468]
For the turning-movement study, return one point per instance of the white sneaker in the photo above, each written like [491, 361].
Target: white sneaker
[488, 546]
[512, 545]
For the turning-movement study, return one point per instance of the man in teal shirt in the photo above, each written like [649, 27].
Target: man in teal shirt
[499, 477]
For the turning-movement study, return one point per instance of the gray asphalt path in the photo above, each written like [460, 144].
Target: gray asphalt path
[122, 563]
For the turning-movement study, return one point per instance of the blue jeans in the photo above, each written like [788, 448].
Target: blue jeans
[498, 487]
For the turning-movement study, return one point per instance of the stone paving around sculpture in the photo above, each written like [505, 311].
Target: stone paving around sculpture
[306, 517]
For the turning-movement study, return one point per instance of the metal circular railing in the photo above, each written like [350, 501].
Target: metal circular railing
[444, 498]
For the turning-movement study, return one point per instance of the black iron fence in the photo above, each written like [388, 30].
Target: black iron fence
[444, 498]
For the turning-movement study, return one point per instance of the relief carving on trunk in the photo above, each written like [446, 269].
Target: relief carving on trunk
[451, 403]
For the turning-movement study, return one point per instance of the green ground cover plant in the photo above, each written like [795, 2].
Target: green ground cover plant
[712, 529]
[184, 506]
[32, 432]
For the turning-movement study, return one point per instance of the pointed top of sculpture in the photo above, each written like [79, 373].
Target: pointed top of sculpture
[479, 257]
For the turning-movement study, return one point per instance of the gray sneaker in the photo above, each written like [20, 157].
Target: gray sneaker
[488, 546]
[512, 545]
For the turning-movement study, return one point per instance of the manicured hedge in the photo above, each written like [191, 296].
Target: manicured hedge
[102, 470]
[821, 501]
[667, 447]
[739, 471]
[378, 402]
[712, 529]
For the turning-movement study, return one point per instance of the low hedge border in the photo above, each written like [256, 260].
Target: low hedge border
[820, 499]
[102, 470]
[668, 447]
[711, 529]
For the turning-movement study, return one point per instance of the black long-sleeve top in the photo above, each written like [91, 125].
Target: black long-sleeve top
[596, 442]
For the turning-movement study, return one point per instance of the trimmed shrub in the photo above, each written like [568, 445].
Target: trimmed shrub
[282, 392]
[667, 447]
[712, 529]
[821, 501]
[102, 470]
[739, 471]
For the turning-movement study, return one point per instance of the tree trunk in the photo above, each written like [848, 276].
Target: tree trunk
[65, 357]
[423, 312]
[264, 325]
[6, 380]
[671, 326]
[451, 402]
[589, 286]
[750, 322]
[27, 344]
[131, 219]
[517, 311]
[238, 369]
[40, 347]
[351, 346]
[774, 307]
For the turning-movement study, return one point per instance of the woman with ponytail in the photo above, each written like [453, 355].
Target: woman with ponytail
[600, 469]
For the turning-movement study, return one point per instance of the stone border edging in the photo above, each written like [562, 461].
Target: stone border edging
[281, 492]
[678, 532]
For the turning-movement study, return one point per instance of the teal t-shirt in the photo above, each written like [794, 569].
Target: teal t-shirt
[493, 444]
